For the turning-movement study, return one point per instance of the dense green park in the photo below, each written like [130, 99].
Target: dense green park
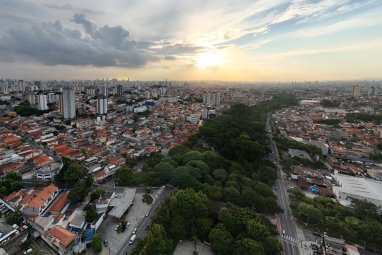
[223, 186]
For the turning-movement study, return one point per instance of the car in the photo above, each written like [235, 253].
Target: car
[127, 224]
[316, 234]
[106, 242]
[135, 231]
[132, 239]
[147, 214]
[116, 227]
[283, 232]
[28, 251]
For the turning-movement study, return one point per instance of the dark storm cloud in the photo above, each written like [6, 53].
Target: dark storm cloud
[53, 44]
[87, 24]
[69, 7]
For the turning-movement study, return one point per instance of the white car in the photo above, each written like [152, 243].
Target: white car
[116, 227]
[135, 231]
[127, 224]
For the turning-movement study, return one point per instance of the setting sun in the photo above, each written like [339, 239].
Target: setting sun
[209, 59]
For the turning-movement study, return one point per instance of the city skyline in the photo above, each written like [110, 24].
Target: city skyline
[219, 40]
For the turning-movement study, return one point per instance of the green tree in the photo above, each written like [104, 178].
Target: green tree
[73, 174]
[311, 214]
[221, 241]
[157, 242]
[97, 243]
[13, 218]
[26, 244]
[220, 175]
[125, 177]
[91, 214]
[97, 194]
[366, 210]
[76, 194]
[250, 247]
[164, 171]
[256, 230]
[203, 226]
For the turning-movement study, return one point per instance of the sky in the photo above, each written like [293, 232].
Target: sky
[232, 40]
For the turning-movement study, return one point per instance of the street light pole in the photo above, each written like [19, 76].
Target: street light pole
[323, 243]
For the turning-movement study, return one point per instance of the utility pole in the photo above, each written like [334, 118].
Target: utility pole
[324, 244]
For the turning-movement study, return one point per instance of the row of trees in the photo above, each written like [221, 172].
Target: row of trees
[223, 193]
[285, 144]
[330, 103]
[360, 224]
[26, 110]
[355, 117]
[331, 122]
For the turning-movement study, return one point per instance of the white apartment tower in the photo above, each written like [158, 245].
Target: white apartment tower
[218, 99]
[68, 104]
[4, 87]
[102, 105]
[42, 103]
[104, 90]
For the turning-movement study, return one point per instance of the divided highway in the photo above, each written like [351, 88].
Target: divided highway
[286, 219]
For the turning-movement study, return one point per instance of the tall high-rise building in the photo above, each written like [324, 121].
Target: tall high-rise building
[68, 104]
[119, 90]
[213, 98]
[147, 94]
[53, 97]
[4, 87]
[21, 86]
[356, 91]
[217, 99]
[208, 99]
[42, 103]
[372, 91]
[102, 105]
[31, 98]
[104, 90]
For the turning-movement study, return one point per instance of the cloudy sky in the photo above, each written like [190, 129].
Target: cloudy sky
[246, 40]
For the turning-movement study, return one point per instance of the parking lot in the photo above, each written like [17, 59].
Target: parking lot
[107, 229]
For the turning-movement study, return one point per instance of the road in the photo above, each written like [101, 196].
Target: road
[286, 218]
[143, 225]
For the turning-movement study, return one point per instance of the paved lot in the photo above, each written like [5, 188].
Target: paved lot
[187, 247]
[107, 229]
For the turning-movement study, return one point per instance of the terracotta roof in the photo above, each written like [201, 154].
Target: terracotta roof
[60, 203]
[43, 196]
[64, 236]
[41, 160]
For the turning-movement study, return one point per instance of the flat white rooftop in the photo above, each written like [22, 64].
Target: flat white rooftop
[360, 187]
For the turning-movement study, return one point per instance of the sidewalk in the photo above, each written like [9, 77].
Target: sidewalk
[305, 248]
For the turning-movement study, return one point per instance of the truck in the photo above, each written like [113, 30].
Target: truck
[132, 239]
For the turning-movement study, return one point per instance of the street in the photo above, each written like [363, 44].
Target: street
[286, 219]
[142, 226]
